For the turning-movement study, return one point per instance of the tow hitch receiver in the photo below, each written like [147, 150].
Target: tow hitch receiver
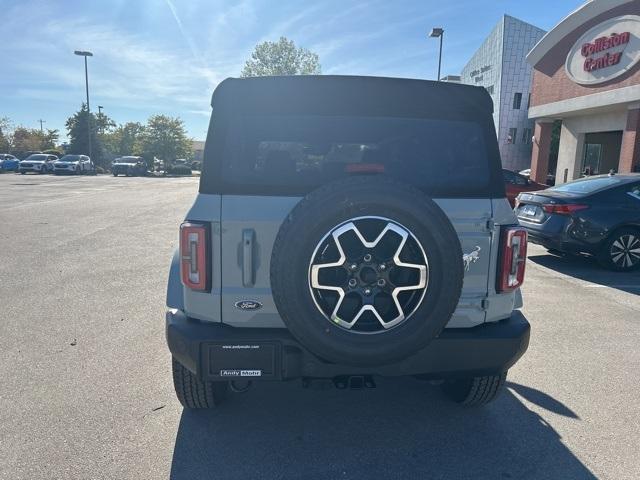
[354, 382]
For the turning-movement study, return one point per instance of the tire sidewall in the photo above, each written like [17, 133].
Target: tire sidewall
[310, 222]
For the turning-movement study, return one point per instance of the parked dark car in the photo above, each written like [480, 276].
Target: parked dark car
[514, 183]
[597, 215]
[179, 166]
[129, 166]
[551, 178]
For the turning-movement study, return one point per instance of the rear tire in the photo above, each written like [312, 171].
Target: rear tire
[474, 391]
[194, 393]
[621, 251]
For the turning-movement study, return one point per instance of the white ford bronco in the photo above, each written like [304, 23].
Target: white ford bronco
[347, 228]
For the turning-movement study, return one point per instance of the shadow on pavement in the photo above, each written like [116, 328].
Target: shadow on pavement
[586, 268]
[402, 429]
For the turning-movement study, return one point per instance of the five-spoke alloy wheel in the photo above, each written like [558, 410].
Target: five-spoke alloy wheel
[368, 274]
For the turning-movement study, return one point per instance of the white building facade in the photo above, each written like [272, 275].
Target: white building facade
[500, 66]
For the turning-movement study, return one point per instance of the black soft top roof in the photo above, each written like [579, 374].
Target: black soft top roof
[349, 96]
[335, 95]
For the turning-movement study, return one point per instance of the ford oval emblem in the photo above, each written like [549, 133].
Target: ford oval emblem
[248, 305]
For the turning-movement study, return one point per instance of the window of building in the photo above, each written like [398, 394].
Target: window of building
[490, 89]
[517, 100]
[526, 135]
[511, 138]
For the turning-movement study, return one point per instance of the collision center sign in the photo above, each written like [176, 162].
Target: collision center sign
[606, 51]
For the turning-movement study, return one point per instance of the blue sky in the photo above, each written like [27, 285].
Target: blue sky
[167, 56]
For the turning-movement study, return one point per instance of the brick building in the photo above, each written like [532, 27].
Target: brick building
[586, 74]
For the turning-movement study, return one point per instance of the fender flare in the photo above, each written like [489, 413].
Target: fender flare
[175, 289]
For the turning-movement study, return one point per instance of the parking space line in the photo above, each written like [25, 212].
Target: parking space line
[635, 287]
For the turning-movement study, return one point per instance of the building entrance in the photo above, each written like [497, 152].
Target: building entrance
[601, 152]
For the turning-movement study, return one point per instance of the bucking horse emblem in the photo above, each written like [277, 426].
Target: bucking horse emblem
[471, 257]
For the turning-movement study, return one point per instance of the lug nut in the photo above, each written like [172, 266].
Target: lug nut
[367, 291]
[382, 266]
[353, 266]
[367, 257]
[352, 282]
[381, 282]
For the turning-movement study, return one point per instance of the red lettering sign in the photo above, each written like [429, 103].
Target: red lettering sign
[601, 44]
[605, 43]
[607, 60]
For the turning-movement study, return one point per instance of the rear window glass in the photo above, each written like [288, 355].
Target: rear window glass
[588, 185]
[311, 150]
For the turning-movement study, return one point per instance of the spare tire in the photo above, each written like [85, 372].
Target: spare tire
[366, 271]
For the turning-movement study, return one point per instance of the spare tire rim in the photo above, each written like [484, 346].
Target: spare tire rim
[368, 274]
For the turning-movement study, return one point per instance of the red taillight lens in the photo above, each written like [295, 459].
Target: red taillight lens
[513, 259]
[564, 209]
[193, 256]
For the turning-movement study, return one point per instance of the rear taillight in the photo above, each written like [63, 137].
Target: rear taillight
[193, 256]
[513, 258]
[564, 209]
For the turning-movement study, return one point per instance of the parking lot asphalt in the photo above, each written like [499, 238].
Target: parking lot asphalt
[85, 378]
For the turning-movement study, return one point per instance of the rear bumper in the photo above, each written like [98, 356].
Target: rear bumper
[553, 233]
[560, 241]
[214, 351]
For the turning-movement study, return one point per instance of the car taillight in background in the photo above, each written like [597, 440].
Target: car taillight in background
[564, 209]
[513, 259]
[194, 239]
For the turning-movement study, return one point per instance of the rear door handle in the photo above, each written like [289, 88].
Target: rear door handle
[248, 274]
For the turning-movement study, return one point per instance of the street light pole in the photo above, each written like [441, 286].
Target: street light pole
[438, 32]
[86, 54]
[100, 124]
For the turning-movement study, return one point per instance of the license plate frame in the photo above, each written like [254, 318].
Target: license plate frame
[242, 359]
[529, 211]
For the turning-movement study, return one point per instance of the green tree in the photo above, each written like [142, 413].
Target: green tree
[78, 133]
[48, 139]
[21, 139]
[281, 58]
[125, 139]
[165, 138]
[6, 135]
[104, 123]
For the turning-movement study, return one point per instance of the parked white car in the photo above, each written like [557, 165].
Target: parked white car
[75, 164]
[37, 163]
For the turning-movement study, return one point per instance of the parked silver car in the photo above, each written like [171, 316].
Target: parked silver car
[75, 164]
[37, 163]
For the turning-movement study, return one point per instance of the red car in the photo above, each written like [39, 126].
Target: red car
[516, 183]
